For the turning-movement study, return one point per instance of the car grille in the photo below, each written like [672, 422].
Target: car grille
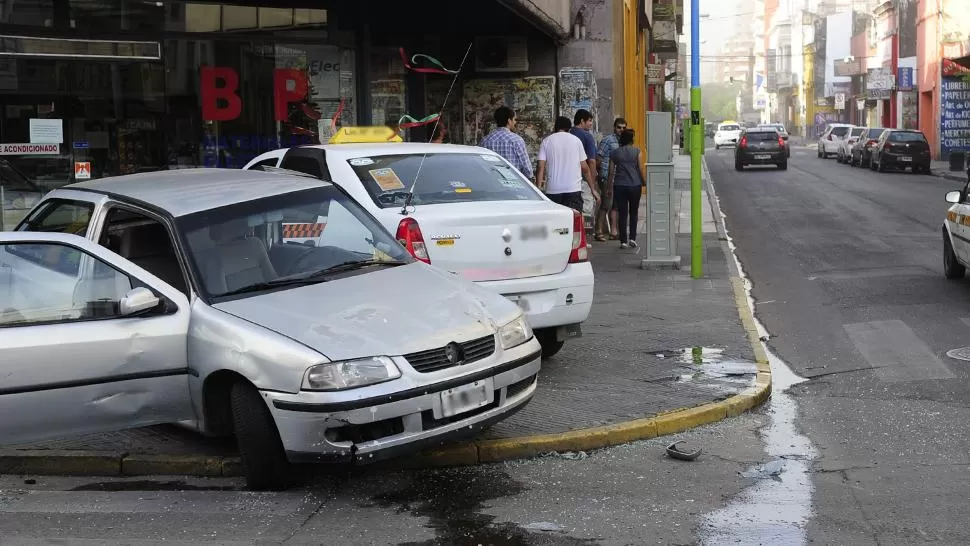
[433, 360]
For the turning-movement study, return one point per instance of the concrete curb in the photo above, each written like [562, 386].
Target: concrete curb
[97, 463]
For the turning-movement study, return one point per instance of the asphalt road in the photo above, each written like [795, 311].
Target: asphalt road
[846, 267]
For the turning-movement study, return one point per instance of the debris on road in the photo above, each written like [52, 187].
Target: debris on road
[682, 454]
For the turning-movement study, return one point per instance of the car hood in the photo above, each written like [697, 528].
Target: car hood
[391, 311]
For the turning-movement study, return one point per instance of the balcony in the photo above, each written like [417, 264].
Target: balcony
[785, 80]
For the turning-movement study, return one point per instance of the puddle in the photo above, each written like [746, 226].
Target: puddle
[454, 500]
[776, 509]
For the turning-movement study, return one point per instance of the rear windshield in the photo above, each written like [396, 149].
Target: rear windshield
[906, 137]
[840, 131]
[444, 178]
[856, 131]
[762, 135]
[875, 133]
[729, 128]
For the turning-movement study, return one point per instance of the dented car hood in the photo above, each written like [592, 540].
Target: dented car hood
[379, 311]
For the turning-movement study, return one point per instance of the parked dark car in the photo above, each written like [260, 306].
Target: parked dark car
[861, 153]
[761, 146]
[901, 149]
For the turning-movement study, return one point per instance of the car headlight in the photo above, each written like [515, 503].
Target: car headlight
[350, 374]
[515, 333]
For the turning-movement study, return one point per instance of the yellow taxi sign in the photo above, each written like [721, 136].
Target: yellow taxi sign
[365, 135]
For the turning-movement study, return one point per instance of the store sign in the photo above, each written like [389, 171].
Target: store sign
[655, 74]
[904, 78]
[840, 101]
[954, 114]
[30, 149]
[221, 83]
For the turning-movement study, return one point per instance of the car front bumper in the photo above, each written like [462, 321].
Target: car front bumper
[551, 300]
[315, 429]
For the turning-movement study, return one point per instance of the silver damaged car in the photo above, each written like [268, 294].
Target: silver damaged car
[264, 305]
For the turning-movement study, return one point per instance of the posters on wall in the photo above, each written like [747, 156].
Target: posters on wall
[909, 109]
[533, 100]
[954, 114]
[577, 90]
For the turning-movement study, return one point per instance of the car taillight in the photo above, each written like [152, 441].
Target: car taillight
[744, 141]
[870, 142]
[781, 141]
[580, 251]
[409, 235]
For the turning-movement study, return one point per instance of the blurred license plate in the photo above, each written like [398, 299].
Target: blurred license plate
[534, 232]
[762, 156]
[467, 397]
[904, 158]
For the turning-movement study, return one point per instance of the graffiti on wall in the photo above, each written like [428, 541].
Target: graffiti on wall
[577, 89]
[533, 100]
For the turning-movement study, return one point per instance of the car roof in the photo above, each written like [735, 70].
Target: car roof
[397, 148]
[185, 191]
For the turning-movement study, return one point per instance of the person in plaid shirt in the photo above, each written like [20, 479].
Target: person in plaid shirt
[609, 143]
[506, 143]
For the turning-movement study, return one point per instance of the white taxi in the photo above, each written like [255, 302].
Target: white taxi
[727, 134]
[956, 233]
[464, 209]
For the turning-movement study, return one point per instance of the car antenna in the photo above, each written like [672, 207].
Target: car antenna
[454, 80]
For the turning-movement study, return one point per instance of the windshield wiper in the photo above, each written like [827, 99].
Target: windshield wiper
[269, 285]
[352, 266]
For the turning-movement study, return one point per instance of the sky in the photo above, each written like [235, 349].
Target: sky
[716, 29]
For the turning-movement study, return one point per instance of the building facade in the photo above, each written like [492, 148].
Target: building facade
[943, 66]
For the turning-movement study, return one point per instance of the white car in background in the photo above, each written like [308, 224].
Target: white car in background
[829, 142]
[471, 213]
[727, 134]
[844, 155]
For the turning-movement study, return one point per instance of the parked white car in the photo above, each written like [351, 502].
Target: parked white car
[727, 134]
[470, 213]
[177, 297]
[846, 143]
[829, 142]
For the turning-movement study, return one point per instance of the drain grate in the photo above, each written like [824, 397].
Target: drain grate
[963, 353]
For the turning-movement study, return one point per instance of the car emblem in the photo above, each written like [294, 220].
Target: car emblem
[562, 231]
[508, 251]
[453, 354]
[441, 237]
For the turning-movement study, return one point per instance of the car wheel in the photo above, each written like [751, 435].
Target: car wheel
[951, 267]
[872, 164]
[881, 167]
[783, 166]
[717, 146]
[738, 166]
[260, 448]
[550, 345]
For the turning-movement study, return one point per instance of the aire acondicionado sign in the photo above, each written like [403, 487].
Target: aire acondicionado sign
[25, 148]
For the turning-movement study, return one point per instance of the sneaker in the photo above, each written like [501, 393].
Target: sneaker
[624, 245]
[633, 244]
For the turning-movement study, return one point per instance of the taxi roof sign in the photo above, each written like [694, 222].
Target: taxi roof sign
[365, 135]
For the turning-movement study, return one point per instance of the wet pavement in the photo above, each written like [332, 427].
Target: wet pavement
[845, 265]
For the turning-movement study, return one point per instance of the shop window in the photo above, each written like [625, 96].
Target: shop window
[388, 87]
[200, 17]
[38, 13]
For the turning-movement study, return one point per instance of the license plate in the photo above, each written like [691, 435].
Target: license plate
[762, 156]
[467, 397]
[906, 159]
[534, 232]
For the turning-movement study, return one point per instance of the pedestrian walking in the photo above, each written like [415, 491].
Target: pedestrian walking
[506, 143]
[563, 159]
[626, 176]
[605, 222]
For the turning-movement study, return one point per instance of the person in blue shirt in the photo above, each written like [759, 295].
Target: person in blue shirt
[607, 208]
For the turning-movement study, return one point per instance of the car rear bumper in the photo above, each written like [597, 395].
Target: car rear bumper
[551, 300]
[754, 158]
[369, 430]
[897, 160]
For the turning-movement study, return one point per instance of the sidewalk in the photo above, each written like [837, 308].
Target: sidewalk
[942, 169]
[656, 342]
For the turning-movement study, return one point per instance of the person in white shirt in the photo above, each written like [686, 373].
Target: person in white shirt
[563, 157]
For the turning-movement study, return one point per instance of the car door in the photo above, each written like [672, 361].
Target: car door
[108, 352]
[958, 220]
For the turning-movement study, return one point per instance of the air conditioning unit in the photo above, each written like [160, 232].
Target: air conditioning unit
[501, 54]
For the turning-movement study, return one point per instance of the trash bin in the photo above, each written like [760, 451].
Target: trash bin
[957, 160]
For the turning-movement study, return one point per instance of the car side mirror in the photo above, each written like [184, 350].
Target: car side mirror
[138, 300]
[953, 197]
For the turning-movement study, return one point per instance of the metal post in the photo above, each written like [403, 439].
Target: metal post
[697, 144]
[3, 210]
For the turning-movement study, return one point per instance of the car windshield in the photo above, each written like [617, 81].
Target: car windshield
[444, 178]
[903, 136]
[856, 131]
[840, 131]
[762, 135]
[729, 128]
[284, 241]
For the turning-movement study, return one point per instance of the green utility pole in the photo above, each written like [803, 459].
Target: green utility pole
[697, 145]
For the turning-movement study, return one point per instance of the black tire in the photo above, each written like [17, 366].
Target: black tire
[717, 146]
[783, 166]
[550, 345]
[738, 166]
[951, 267]
[872, 164]
[260, 448]
[820, 154]
[881, 167]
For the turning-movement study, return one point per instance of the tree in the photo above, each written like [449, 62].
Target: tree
[719, 101]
